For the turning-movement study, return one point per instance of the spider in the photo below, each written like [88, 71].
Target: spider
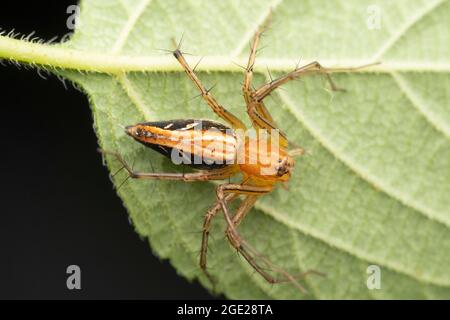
[258, 178]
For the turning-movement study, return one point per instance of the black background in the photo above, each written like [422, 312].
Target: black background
[58, 206]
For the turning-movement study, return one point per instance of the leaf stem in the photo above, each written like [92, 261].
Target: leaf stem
[57, 56]
[60, 56]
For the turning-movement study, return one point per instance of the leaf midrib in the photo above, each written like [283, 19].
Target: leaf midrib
[61, 57]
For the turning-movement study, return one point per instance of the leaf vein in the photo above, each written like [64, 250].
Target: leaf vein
[418, 103]
[359, 170]
[432, 6]
[129, 25]
[343, 246]
[134, 96]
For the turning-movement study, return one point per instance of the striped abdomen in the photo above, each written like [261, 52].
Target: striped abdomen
[201, 144]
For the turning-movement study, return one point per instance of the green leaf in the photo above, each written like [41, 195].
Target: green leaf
[374, 187]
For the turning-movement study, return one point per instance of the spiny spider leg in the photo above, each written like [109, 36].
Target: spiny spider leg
[210, 214]
[257, 111]
[310, 68]
[250, 254]
[205, 93]
[205, 175]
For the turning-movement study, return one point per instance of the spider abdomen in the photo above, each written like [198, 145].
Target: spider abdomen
[201, 144]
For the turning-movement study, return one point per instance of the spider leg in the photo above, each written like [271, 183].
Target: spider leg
[249, 253]
[248, 77]
[243, 209]
[313, 67]
[258, 113]
[209, 99]
[296, 152]
[256, 105]
[205, 175]
[241, 212]
[262, 119]
[261, 122]
[210, 214]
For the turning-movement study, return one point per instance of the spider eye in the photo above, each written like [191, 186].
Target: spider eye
[281, 170]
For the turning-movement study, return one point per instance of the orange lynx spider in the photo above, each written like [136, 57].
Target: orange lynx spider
[258, 177]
